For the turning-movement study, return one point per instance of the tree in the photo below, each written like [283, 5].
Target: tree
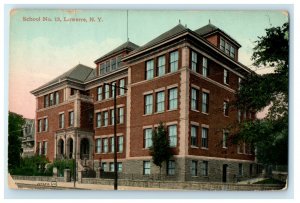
[160, 149]
[268, 135]
[15, 132]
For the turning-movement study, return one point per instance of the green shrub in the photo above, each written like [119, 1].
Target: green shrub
[63, 164]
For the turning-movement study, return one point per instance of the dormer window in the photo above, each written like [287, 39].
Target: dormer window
[228, 48]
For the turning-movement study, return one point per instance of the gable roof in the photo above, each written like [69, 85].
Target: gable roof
[210, 28]
[178, 29]
[78, 73]
[127, 45]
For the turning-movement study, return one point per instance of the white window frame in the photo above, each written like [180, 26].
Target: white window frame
[226, 77]
[194, 98]
[98, 145]
[226, 108]
[146, 168]
[99, 93]
[205, 102]
[204, 168]
[149, 69]
[112, 116]
[194, 168]
[106, 91]
[174, 61]
[161, 68]
[112, 144]
[56, 98]
[122, 85]
[172, 134]
[45, 144]
[225, 139]
[105, 118]
[148, 137]
[173, 98]
[204, 137]
[194, 61]
[204, 67]
[98, 120]
[105, 145]
[194, 133]
[71, 118]
[171, 168]
[61, 120]
[148, 104]
[113, 89]
[46, 124]
[120, 144]
[120, 166]
[121, 115]
[160, 101]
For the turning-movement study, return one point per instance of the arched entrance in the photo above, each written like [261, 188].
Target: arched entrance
[60, 147]
[84, 149]
[70, 147]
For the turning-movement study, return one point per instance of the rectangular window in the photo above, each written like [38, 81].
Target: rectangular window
[225, 138]
[113, 64]
[147, 138]
[204, 67]
[105, 115]
[174, 61]
[172, 98]
[225, 108]
[194, 168]
[120, 144]
[46, 101]
[205, 99]
[51, 99]
[232, 51]
[45, 144]
[40, 125]
[161, 68]
[171, 167]
[119, 61]
[226, 77]
[239, 116]
[56, 98]
[99, 93]
[112, 144]
[40, 148]
[194, 135]
[105, 145]
[102, 69]
[122, 85]
[172, 130]
[106, 91]
[148, 104]
[104, 166]
[120, 167]
[71, 118]
[61, 120]
[45, 124]
[241, 170]
[149, 69]
[98, 145]
[194, 99]
[205, 168]
[160, 101]
[204, 139]
[112, 117]
[111, 167]
[194, 62]
[146, 167]
[107, 66]
[98, 117]
[121, 115]
[239, 83]
[227, 48]
[222, 44]
[113, 89]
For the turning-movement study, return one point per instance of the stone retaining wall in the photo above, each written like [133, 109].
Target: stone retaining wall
[184, 185]
[38, 178]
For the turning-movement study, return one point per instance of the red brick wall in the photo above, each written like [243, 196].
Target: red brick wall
[216, 121]
[53, 126]
[41, 101]
[213, 39]
[86, 116]
[138, 119]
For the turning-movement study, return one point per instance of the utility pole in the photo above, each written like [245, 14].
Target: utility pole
[115, 134]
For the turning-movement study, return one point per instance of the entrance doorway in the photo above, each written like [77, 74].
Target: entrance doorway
[224, 177]
[70, 148]
[84, 148]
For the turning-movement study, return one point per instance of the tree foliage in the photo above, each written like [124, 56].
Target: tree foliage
[15, 132]
[268, 135]
[160, 150]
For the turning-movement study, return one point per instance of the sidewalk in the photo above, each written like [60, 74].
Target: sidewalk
[27, 184]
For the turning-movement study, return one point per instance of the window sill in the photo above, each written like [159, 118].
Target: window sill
[194, 147]
[148, 114]
[159, 112]
[195, 110]
[226, 116]
[205, 148]
[172, 110]
[205, 113]
[225, 147]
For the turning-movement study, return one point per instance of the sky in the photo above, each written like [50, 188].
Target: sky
[41, 50]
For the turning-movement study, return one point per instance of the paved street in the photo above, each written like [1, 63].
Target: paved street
[43, 185]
